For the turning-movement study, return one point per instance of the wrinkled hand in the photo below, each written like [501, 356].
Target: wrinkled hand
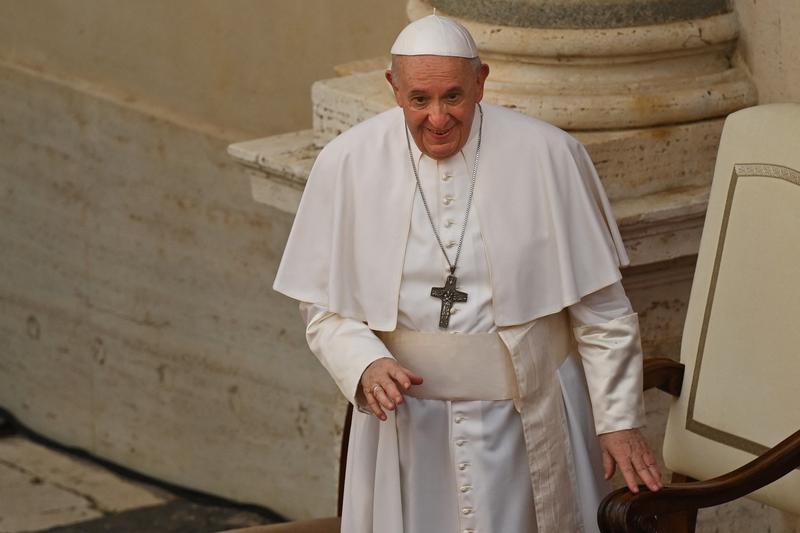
[630, 451]
[392, 378]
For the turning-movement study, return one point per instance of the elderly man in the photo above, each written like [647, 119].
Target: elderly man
[457, 330]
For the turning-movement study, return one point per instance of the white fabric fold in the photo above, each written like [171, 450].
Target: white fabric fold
[553, 241]
[344, 346]
[612, 359]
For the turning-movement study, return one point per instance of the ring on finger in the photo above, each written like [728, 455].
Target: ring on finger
[375, 388]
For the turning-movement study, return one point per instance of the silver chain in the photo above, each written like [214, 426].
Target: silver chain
[469, 200]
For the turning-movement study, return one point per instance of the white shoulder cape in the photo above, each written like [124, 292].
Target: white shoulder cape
[547, 225]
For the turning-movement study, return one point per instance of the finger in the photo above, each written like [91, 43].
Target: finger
[608, 465]
[400, 375]
[383, 399]
[644, 472]
[627, 470]
[412, 378]
[373, 405]
[416, 379]
[655, 471]
[392, 392]
[652, 466]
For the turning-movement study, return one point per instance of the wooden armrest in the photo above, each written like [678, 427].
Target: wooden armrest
[664, 374]
[623, 511]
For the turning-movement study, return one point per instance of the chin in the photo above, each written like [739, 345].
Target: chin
[441, 153]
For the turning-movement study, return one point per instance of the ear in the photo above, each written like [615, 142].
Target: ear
[390, 79]
[483, 73]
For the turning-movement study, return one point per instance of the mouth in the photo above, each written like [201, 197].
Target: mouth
[437, 133]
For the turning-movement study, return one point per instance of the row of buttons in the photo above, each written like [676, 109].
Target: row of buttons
[465, 487]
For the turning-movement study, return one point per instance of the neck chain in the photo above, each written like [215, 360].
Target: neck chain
[449, 294]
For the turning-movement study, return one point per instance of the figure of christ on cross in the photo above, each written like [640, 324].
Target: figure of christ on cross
[449, 295]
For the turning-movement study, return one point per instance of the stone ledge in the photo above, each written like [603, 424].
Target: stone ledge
[571, 14]
[340, 103]
[598, 42]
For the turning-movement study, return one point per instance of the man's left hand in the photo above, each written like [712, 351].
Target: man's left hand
[629, 450]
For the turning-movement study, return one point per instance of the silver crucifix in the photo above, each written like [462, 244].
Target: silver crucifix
[449, 295]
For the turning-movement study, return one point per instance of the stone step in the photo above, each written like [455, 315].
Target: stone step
[575, 103]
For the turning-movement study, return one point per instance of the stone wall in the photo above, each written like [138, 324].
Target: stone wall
[242, 65]
[137, 319]
[770, 46]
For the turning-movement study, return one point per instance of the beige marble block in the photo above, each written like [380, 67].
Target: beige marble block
[138, 320]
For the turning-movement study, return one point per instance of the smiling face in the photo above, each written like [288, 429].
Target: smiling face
[438, 96]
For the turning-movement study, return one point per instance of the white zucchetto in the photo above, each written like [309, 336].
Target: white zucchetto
[436, 36]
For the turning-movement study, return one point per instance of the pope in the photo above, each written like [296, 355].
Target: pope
[458, 270]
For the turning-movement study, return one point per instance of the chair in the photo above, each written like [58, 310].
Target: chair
[736, 387]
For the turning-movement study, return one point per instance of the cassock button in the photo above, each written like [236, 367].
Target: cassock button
[466, 511]
[450, 244]
[460, 419]
[463, 466]
[446, 176]
[447, 200]
[453, 310]
[449, 222]
[465, 488]
[461, 442]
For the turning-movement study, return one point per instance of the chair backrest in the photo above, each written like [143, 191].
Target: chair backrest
[741, 340]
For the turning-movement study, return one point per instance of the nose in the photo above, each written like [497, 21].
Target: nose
[438, 116]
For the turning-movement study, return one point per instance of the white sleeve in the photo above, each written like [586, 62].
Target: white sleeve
[344, 346]
[607, 332]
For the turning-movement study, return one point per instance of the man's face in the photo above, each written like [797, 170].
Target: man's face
[438, 96]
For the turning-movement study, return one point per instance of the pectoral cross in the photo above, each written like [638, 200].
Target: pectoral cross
[449, 295]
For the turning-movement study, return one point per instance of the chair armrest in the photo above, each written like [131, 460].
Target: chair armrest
[664, 374]
[623, 511]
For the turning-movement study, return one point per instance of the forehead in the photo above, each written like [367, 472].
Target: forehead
[433, 70]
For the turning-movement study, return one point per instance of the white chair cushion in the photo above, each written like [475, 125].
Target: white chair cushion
[741, 341]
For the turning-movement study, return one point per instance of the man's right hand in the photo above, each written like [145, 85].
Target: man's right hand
[391, 378]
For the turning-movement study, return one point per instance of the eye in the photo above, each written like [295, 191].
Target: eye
[418, 100]
[453, 98]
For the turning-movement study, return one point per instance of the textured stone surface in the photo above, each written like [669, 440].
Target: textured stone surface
[42, 488]
[581, 13]
[177, 516]
[30, 504]
[340, 103]
[138, 318]
[106, 491]
[242, 65]
[770, 46]
[564, 44]
[52, 490]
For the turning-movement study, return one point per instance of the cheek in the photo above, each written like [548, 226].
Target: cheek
[414, 119]
[464, 120]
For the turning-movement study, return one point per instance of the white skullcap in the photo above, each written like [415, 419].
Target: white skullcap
[436, 36]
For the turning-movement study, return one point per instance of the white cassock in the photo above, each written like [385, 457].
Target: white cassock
[462, 466]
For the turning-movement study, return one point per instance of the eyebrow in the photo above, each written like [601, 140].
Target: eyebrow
[422, 92]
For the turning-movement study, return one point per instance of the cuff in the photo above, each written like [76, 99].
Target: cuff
[612, 360]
